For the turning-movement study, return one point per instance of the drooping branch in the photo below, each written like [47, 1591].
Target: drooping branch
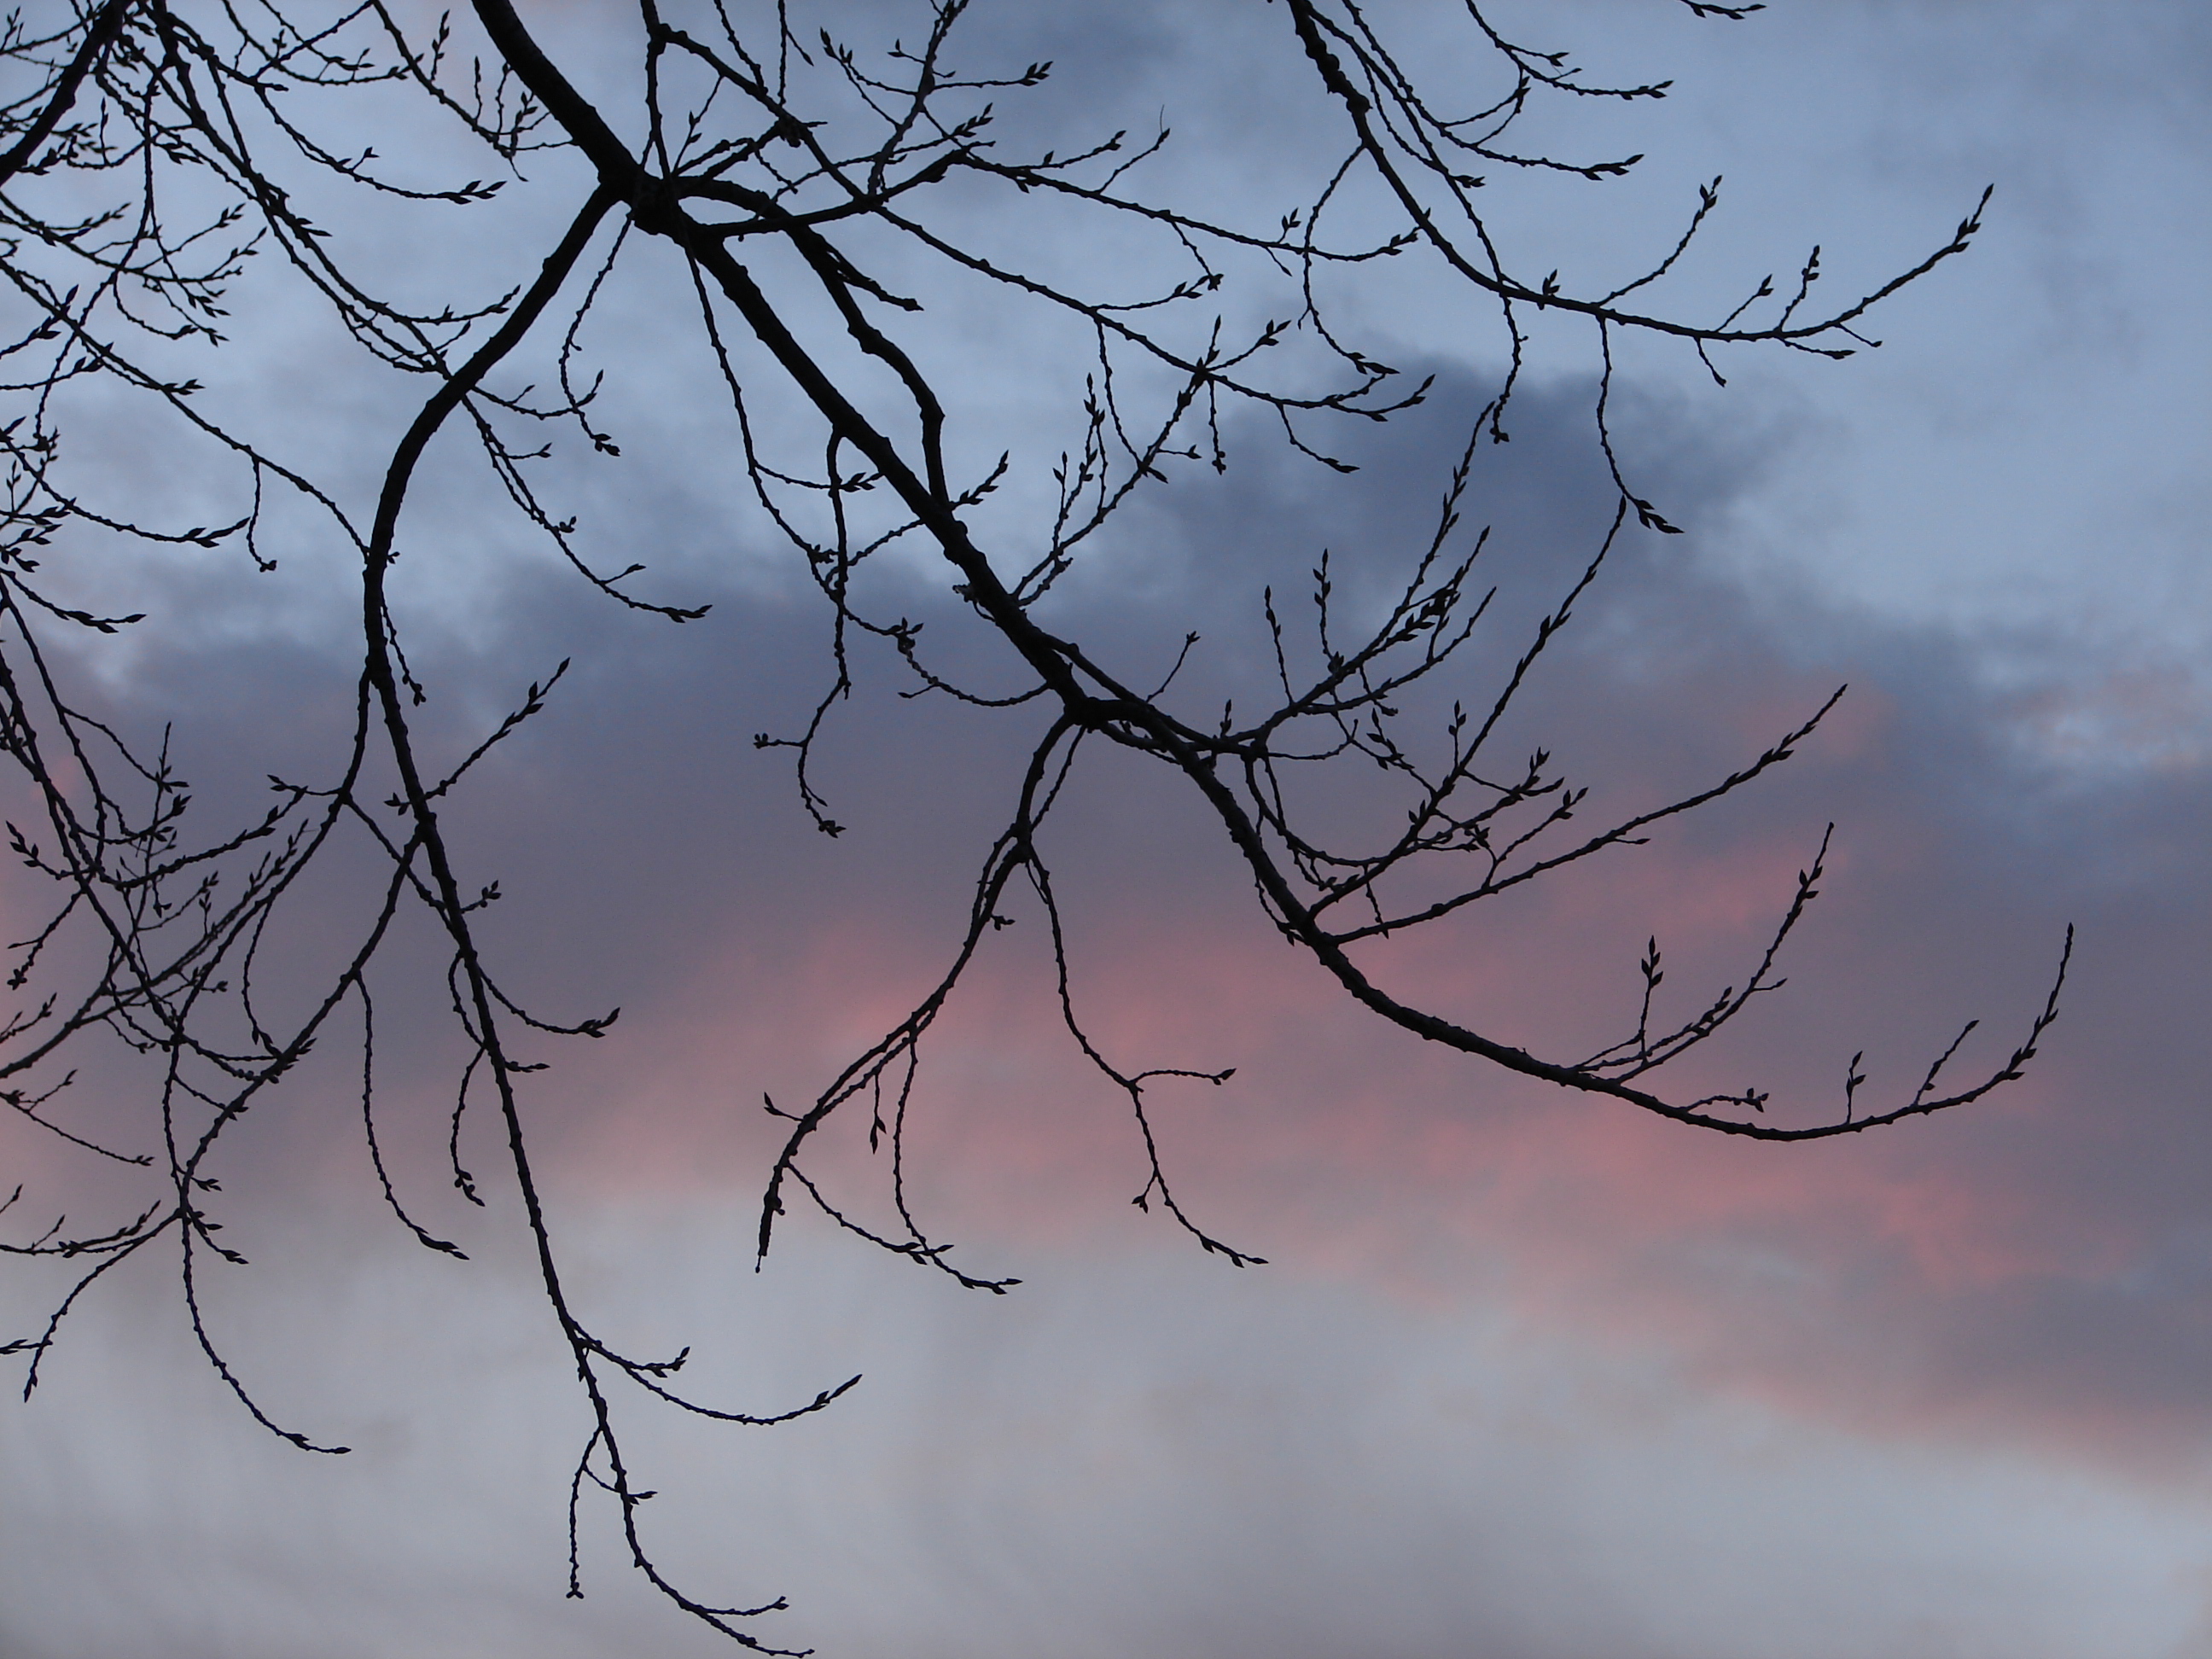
[159, 147]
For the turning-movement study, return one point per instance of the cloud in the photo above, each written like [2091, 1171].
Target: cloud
[2020, 1282]
[2016, 1294]
[1899, 1281]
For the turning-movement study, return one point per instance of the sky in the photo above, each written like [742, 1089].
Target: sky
[1524, 1376]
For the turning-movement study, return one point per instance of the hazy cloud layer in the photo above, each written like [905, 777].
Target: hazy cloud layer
[1517, 1357]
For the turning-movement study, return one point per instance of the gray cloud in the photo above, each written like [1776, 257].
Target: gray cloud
[1501, 1449]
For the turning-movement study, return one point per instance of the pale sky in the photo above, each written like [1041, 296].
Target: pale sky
[1523, 1378]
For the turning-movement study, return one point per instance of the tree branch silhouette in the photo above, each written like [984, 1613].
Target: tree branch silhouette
[809, 190]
